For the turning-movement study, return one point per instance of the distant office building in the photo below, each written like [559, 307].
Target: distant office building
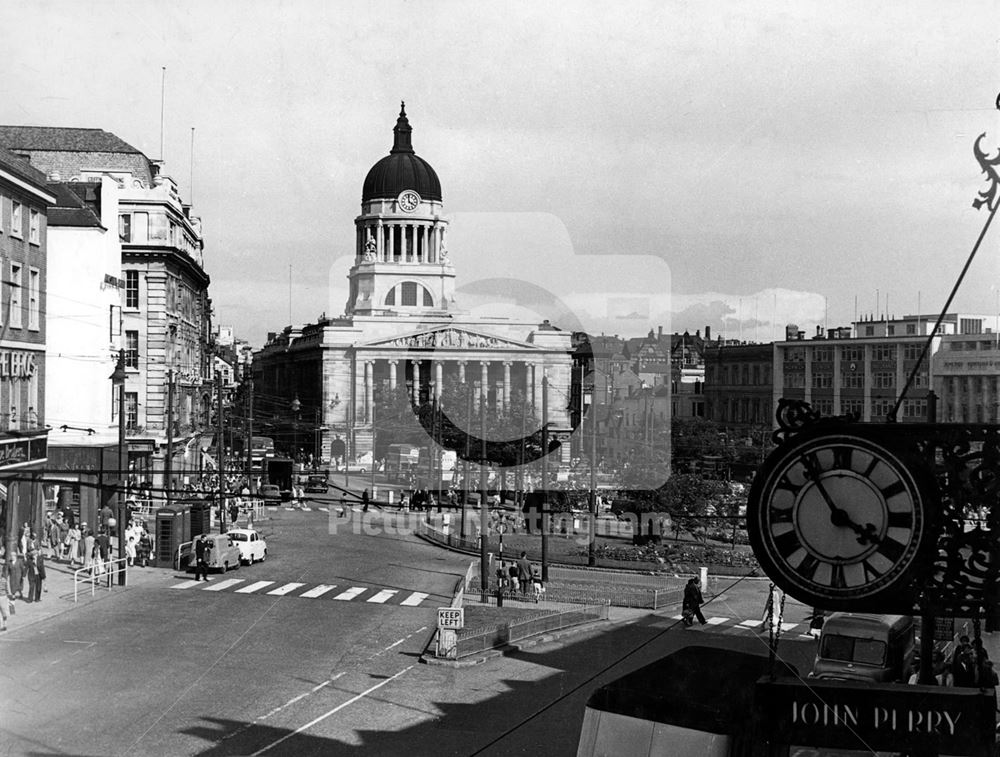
[739, 387]
[967, 378]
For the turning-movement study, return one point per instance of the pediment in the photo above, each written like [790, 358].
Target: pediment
[451, 338]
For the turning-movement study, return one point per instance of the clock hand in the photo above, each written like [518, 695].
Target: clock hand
[838, 515]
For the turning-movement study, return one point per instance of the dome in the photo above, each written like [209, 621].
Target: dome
[401, 169]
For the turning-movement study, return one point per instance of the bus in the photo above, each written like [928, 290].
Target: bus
[261, 449]
[401, 460]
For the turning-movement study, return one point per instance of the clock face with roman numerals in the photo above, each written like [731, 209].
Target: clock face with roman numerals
[837, 517]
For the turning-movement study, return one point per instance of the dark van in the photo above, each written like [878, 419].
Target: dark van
[861, 647]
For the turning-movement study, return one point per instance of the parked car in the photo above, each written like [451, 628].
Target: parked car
[270, 493]
[316, 483]
[250, 544]
[224, 553]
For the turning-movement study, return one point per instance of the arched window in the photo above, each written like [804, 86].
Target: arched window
[428, 300]
[408, 297]
[390, 299]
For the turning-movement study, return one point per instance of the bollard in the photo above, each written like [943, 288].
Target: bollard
[703, 575]
[499, 595]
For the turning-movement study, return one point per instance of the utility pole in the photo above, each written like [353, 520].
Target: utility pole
[222, 455]
[248, 436]
[545, 477]
[483, 508]
[169, 462]
[591, 536]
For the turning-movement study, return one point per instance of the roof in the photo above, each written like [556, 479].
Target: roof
[62, 139]
[401, 169]
[701, 688]
[76, 204]
[21, 167]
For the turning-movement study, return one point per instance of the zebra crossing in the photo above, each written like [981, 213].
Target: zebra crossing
[371, 594]
[734, 625]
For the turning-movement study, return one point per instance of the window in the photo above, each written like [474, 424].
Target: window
[884, 352]
[822, 380]
[408, 294]
[15, 285]
[852, 407]
[911, 328]
[915, 409]
[852, 380]
[125, 227]
[892, 330]
[15, 219]
[869, 331]
[852, 354]
[131, 410]
[795, 380]
[131, 349]
[390, 299]
[912, 351]
[822, 355]
[131, 289]
[884, 380]
[34, 226]
[428, 300]
[34, 292]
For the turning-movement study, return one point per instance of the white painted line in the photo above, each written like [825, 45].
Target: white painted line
[351, 593]
[751, 623]
[185, 585]
[306, 509]
[716, 621]
[382, 596]
[283, 590]
[336, 709]
[289, 509]
[256, 586]
[272, 508]
[414, 599]
[788, 626]
[317, 591]
[677, 617]
[223, 584]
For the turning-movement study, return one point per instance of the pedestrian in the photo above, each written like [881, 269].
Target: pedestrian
[5, 602]
[102, 549]
[524, 572]
[55, 539]
[39, 575]
[364, 501]
[963, 663]
[201, 553]
[88, 547]
[988, 676]
[145, 548]
[16, 576]
[515, 581]
[693, 601]
[130, 550]
[31, 570]
[234, 512]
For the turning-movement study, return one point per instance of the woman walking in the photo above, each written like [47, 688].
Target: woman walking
[693, 601]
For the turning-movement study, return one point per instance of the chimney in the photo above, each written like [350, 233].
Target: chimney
[659, 332]
[708, 333]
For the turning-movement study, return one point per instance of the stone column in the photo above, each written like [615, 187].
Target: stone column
[390, 229]
[415, 394]
[425, 244]
[461, 371]
[379, 244]
[369, 389]
[438, 378]
[392, 374]
[484, 385]
[506, 385]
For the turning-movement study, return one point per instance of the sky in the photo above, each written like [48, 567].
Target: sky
[616, 167]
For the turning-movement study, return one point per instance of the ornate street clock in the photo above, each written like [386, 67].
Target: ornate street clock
[841, 520]
[408, 200]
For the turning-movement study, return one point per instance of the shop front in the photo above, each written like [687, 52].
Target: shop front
[80, 480]
[22, 502]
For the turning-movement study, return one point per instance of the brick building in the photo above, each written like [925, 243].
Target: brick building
[24, 201]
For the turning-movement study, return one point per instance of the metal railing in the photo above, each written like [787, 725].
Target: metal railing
[181, 552]
[104, 573]
[481, 639]
[448, 539]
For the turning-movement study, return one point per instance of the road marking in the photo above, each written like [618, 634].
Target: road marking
[289, 509]
[318, 591]
[414, 599]
[788, 626]
[750, 623]
[336, 709]
[257, 585]
[306, 509]
[293, 700]
[223, 584]
[324, 509]
[185, 585]
[351, 593]
[716, 621]
[382, 596]
[283, 590]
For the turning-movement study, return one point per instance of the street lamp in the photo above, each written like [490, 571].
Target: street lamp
[118, 380]
[296, 407]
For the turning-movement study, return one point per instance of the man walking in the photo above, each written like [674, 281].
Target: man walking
[524, 572]
[693, 601]
[201, 552]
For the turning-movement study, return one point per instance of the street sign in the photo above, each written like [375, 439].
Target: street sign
[944, 629]
[451, 618]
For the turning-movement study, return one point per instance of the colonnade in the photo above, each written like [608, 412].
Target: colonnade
[426, 378]
[381, 241]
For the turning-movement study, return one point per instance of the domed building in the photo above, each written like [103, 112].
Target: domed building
[402, 325]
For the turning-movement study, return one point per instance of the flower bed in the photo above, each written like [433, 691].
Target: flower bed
[679, 558]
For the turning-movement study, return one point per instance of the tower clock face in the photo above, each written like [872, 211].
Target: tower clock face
[838, 517]
[408, 200]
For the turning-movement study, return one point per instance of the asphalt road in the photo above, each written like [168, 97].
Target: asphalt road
[207, 669]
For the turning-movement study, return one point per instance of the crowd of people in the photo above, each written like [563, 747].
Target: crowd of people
[970, 666]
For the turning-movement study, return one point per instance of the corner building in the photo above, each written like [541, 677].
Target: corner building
[402, 325]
